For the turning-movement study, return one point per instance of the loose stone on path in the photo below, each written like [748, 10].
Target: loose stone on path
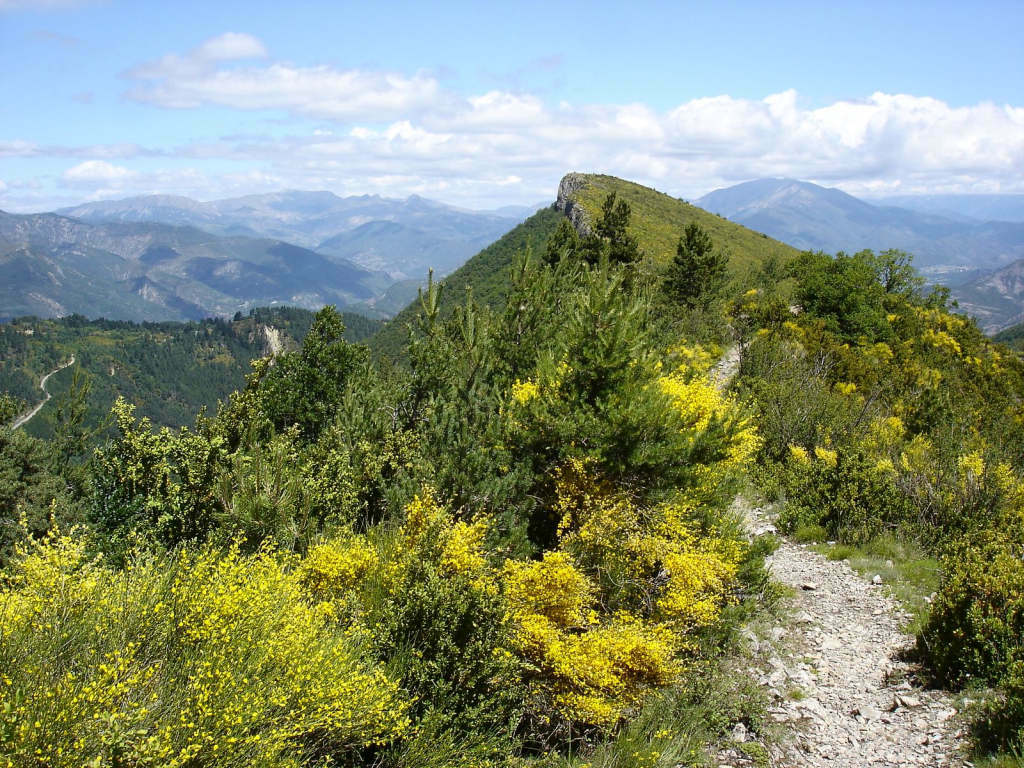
[857, 705]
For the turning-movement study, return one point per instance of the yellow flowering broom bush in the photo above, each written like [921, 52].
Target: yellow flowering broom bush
[197, 659]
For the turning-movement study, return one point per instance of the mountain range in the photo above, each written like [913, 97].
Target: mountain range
[978, 260]
[52, 265]
[161, 257]
[402, 238]
[811, 217]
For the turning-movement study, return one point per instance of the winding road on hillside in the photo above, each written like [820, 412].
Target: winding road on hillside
[836, 684]
[26, 418]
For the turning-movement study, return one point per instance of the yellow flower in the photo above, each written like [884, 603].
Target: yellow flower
[525, 391]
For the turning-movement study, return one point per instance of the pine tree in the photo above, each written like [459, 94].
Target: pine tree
[563, 243]
[698, 273]
[610, 237]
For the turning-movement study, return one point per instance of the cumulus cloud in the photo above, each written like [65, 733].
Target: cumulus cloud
[96, 171]
[397, 134]
[407, 126]
[199, 78]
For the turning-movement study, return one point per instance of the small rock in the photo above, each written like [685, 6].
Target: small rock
[868, 712]
[809, 586]
[876, 579]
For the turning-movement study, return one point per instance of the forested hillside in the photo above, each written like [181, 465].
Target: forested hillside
[487, 274]
[526, 547]
[168, 370]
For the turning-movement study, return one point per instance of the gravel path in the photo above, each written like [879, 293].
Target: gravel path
[838, 689]
[836, 682]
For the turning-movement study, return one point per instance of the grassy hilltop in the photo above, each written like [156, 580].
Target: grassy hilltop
[657, 220]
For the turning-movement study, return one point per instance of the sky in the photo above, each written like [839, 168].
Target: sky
[482, 104]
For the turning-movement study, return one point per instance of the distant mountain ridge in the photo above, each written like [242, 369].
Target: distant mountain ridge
[818, 218]
[428, 234]
[977, 207]
[960, 251]
[53, 265]
[995, 299]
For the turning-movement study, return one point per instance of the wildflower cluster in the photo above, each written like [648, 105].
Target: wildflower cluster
[202, 658]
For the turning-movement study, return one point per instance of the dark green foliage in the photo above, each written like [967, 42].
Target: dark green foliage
[33, 495]
[611, 238]
[446, 631]
[170, 371]
[563, 243]
[303, 389]
[486, 273]
[853, 294]
[698, 274]
[853, 501]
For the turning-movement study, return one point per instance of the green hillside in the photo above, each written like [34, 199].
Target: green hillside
[486, 273]
[169, 370]
[658, 220]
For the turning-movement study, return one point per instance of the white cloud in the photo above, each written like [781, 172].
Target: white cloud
[96, 171]
[397, 127]
[398, 134]
[198, 78]
[231, 46]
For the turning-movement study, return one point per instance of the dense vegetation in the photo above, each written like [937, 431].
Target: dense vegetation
[885, 416]
[168, 370]
[516, 549]
[504, 554]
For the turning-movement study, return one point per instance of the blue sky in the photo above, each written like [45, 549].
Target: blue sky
[480, 105]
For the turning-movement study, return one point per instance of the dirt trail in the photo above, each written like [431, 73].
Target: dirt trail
[26, 418]
[833, 675]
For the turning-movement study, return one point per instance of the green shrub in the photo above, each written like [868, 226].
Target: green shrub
[975, 633]
[451, 636]
[976, 629]
[844, 492]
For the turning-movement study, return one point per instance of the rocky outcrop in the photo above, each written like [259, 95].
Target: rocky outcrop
[566, 202]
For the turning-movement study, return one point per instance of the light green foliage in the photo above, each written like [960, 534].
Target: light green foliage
[10, 407]
[657, 219]
[155, 487]
[853, 294]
